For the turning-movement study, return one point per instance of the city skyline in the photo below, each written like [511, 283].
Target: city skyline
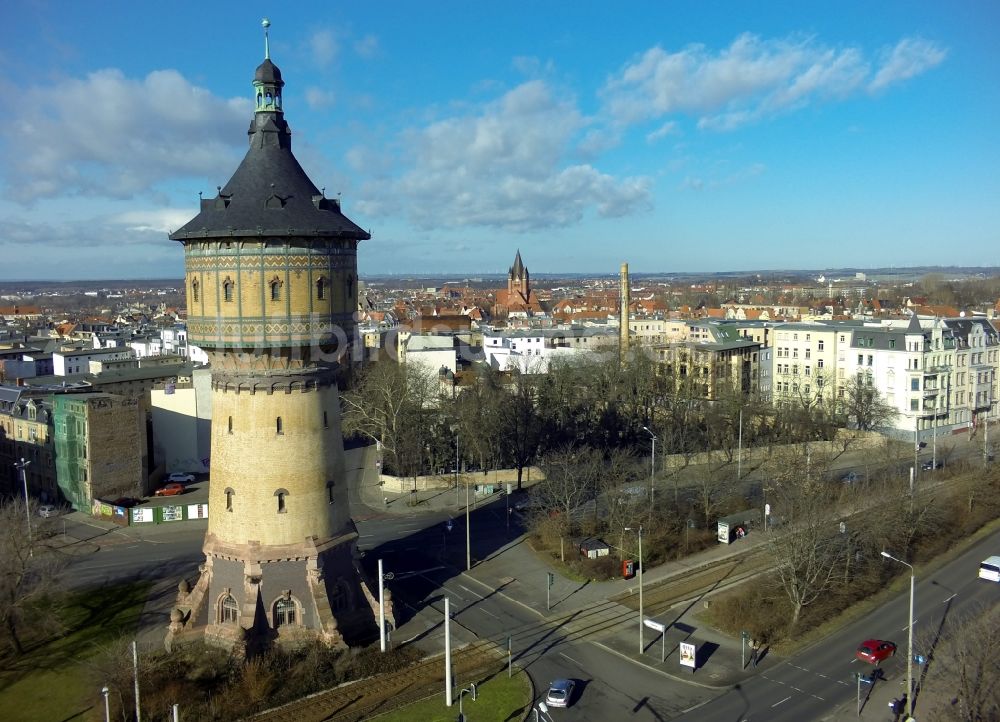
[776, 137]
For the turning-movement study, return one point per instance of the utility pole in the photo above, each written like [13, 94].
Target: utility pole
[642, 646]
[468, 533]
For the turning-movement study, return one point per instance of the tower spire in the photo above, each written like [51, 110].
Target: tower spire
[265, 23]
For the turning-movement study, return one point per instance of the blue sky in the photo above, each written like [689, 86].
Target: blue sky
[675, 136]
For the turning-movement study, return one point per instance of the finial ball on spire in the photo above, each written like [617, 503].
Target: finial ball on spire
[265, 23]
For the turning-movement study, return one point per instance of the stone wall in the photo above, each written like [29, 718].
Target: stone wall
[856, 439]
[405, 484]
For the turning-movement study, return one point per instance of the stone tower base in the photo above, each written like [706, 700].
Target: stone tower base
[252, 598]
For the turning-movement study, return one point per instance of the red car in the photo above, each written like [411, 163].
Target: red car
[170, 490]
[875, 651]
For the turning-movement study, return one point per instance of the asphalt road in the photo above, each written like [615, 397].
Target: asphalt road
[812, 684]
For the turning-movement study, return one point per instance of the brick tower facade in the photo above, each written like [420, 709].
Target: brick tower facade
[271, 275]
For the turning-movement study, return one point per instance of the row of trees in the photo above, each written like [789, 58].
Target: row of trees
[510, 419]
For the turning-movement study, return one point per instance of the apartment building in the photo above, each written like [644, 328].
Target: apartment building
[804, 362]
[715, 358]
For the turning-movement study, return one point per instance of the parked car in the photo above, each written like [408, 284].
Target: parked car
[170, 490]
[560, 693]
[930, 465]
[875, 651]
[850, 477]
[47, 510]
[180, 477]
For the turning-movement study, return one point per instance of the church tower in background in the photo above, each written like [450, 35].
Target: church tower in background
[271, 275]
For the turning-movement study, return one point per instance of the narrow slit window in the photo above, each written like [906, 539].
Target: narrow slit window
[279, 426]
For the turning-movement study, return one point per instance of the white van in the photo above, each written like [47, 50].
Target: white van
[990, 569]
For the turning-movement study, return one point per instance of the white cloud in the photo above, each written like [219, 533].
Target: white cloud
[668, 128]
[752, 79]
[317, 98]
[160, 220]
[909, 57]
[112, 136]
[367, 47]
[505, 167]
[324, 47]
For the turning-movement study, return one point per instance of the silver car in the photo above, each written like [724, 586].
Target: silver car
[47, 510]
[560, 693]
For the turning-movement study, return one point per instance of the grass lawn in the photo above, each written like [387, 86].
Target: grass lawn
[497, 700]
[51, 681]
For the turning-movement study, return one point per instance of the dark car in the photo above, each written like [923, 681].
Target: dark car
[930, 465]
[170, 490]
[126, 501]
[875, 651]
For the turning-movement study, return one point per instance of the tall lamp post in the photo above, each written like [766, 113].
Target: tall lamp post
[23, 468]
[652, 466]
[909, 642]
[642, 646]
[468, 533]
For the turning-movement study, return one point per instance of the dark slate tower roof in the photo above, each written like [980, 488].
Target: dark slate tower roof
[269, 194]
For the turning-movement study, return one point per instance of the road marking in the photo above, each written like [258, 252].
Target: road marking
[486, 611]
[949, 598]
[561, 654]
[471, 592]
[781, 702]
[907, 626]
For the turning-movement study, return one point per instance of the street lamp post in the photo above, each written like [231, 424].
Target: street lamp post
[468, 533]
[23, 467]
[739, 450]
[107, 708]
[642, 646]
[909, 641]
[652, 466]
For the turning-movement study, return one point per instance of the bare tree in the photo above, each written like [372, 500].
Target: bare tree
[570, 482]
[29, 574]
[388, 405]
[806, 550]
[964, 668]
[863, 403]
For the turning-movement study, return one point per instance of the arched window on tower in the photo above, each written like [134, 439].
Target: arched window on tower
[285, 611]
[322, 286]
[195, 294]
[279, 426]
[229, 498]
[281, 495]
[230, 424]
[229, 610]
[275, 289]
[227, 290]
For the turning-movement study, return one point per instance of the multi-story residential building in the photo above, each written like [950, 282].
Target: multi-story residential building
[26, 432]
[99, 446]
[534, 350]
[715, 358]
[939, 375]
[804, 362]
[67, 363]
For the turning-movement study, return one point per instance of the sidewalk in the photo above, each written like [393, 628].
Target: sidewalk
[520, 575]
